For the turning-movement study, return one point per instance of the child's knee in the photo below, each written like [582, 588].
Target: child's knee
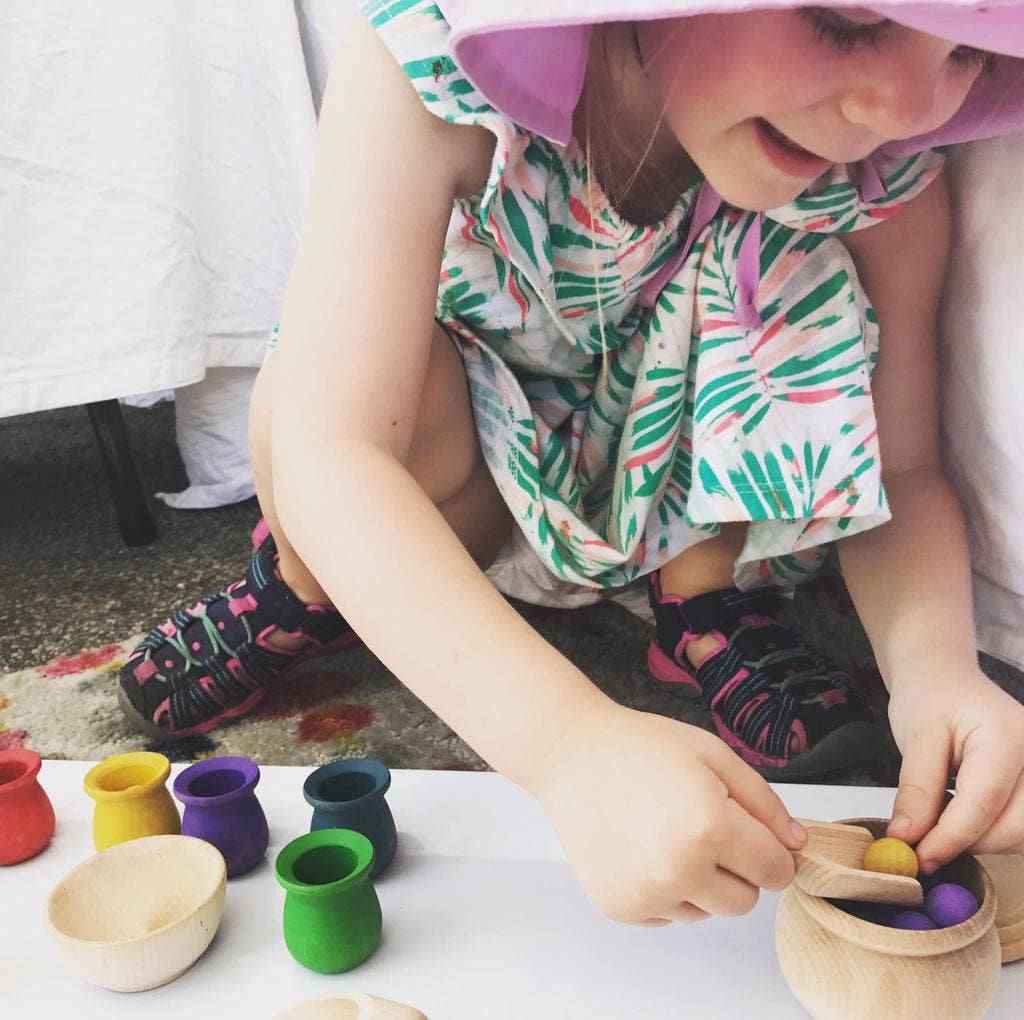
[444, 401]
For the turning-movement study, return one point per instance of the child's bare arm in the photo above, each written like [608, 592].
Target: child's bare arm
[910, 579]
[356, 328]
[660, 821]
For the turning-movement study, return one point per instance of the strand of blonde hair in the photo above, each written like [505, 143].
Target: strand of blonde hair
[592, 211]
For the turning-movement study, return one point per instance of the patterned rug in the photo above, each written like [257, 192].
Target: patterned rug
[349, 705]
[344, 705]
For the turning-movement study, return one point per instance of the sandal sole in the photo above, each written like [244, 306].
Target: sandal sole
[153, 731]
[231, 715]
[856, 743]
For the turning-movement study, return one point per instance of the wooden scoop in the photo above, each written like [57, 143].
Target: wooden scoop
[831, 864]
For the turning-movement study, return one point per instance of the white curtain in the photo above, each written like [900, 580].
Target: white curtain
[983, 380]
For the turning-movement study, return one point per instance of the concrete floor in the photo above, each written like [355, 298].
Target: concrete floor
[70, 582]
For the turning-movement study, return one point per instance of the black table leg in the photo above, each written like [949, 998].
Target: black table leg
[133, 514]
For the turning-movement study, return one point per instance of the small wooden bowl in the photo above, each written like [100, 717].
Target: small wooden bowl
[843, 968]
[354, 1006]
[139, 914]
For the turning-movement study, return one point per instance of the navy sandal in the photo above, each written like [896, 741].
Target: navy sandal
[213, 662]
[774, 700]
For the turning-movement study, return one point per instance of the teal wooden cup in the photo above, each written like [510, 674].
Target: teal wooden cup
[332, 919]
[350, 794]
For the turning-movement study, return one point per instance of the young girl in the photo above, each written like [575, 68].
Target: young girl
[584, 295]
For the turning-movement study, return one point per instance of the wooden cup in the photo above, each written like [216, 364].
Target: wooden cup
[843, 968]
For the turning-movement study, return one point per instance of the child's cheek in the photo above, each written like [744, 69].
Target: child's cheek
[786, 71]
[794, 80]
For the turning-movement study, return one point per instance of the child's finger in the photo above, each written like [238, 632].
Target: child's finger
[726, 895]
[983, 787]
[685, 913]
[758, 799]
[753, 853]
[923, 779]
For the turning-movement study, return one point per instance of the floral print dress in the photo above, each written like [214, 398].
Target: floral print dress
[621, 432]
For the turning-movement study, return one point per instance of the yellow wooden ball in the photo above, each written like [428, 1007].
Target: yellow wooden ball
[891, 857]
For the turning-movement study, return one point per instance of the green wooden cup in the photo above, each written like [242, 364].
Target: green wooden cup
[332, 919]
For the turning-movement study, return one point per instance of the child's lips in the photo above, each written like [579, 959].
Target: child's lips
[786, 140]
[787, 155]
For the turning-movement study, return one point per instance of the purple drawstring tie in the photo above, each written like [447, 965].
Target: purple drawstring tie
[748, 276]
[870, 185]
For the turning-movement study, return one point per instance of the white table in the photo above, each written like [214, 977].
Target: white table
[482, 921]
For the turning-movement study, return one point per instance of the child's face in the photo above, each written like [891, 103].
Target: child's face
[838, 84]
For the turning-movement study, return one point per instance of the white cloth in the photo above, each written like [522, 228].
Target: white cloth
[154, 170]
[983, 381]
[211, 420]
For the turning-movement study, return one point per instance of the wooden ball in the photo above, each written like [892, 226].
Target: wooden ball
[891, 857]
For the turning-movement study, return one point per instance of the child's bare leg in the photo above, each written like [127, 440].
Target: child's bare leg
[217, 660]
[707, 566]
[444, 458]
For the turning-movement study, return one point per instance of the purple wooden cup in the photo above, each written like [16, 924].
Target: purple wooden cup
[221, 807]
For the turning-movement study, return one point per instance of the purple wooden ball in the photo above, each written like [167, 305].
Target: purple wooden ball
[948, 904]
[912, 920]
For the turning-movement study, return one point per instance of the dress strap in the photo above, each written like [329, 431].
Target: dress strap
[748, 276]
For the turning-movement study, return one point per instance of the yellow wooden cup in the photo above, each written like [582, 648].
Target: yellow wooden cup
[132, 798]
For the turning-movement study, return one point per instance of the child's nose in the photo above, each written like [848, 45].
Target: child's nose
[912, 96]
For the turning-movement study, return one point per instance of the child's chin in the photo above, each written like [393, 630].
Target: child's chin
[757, 195]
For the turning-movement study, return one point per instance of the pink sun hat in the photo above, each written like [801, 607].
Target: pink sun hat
[528, 57]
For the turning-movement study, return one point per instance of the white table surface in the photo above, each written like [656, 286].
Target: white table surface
[482, 921]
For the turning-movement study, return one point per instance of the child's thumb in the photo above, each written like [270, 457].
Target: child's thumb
[922, 790]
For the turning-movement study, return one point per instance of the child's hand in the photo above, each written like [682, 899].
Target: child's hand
[970, 726]
[661, 821]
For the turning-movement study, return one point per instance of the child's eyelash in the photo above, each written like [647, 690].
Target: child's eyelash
[966, 55]
[845, 35]
[842, 33]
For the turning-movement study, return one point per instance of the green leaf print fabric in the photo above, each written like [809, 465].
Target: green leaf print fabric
[613, 465]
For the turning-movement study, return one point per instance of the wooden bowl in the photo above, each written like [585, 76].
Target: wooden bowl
[1007, 874]
[843, 968]
[139, 914]
[354, 1006]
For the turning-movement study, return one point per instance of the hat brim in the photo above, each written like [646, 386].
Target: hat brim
[528, 57]
[996, 27]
